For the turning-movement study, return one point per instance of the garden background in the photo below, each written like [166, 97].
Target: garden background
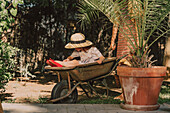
[42, 28]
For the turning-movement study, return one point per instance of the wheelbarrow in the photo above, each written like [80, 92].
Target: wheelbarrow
[69, 78]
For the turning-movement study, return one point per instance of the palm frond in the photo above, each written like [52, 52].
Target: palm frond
[147, 19]
[156, 13]
[107, 7]
[86, 14]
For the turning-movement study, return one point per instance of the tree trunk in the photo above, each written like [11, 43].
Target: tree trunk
[122, 47]
[1, 110]
[126, 29]
[114, 35]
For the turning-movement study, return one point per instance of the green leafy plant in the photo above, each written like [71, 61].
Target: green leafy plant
[8, 10]
[137, 20]
[7, 63]
[164, 96]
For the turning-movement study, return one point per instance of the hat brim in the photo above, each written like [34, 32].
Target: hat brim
[73, 46]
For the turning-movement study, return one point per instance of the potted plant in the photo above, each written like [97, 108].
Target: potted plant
[137, 22]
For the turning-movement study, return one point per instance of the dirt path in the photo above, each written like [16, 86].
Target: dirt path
[27, 91]
[34, 91]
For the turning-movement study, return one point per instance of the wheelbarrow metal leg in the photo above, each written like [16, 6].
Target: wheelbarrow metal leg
[58, 74]
[84, 90]
[91, 83]
[93, 89]
[69, 82]
[105, 84]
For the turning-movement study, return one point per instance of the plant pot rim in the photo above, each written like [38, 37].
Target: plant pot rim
[143, 68]
[155, 71]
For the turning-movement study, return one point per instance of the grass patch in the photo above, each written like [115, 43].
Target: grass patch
[109, 100]
[42, 100]
[9, 101]
[164, 96]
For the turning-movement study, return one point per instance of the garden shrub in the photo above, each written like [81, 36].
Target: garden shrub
[7, 63]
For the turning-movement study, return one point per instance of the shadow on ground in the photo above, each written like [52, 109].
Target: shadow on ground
[50, 78]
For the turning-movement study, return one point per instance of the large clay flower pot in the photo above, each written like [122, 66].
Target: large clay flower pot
[141, 87]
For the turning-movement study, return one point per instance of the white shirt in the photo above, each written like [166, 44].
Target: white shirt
[87, 57]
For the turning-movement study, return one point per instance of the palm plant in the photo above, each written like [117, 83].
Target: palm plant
[137, 20]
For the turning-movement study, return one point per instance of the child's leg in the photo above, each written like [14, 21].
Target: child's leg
[60, 62]
[69, 63]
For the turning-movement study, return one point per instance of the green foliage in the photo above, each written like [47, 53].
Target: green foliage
[42, 100]
[146, 16]
[86, 14]
[8, 10]
[9, 101]
[7, 62]
[164, 95]
[109, 8]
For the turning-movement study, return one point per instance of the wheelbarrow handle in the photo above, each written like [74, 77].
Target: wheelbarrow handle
[117, 61]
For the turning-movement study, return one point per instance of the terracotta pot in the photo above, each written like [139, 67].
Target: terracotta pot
[141, 87]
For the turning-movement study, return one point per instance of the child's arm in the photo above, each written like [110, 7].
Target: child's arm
[68, 59]
[100, 60]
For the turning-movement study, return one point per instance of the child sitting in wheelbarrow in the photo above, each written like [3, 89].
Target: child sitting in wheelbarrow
[83, 49]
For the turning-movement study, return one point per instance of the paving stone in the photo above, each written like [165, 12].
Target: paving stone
[102, 111]
[111, 106]
[23, 108]
[73, 108]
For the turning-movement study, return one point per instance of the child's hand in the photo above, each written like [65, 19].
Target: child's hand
[66, 60]
[99, 61]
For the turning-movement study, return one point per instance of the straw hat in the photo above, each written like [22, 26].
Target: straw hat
[77, 40]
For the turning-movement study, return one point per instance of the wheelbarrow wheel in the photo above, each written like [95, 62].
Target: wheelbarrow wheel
[61, 89]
